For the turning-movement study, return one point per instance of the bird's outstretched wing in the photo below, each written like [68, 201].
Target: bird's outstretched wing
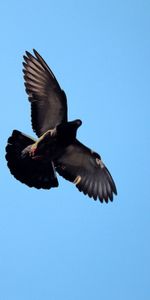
[48, 100]
[85, 168]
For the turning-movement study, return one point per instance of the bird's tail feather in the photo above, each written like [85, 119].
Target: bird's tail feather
[34, 173]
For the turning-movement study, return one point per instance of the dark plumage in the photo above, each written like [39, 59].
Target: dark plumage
[35, 162]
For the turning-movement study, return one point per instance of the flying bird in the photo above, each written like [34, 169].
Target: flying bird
[35, 162]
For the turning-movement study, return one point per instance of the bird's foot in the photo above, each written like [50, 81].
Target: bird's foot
[32, 149]
[52, 132]
[29, 151]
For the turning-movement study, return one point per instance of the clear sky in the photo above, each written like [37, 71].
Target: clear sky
[60, 244]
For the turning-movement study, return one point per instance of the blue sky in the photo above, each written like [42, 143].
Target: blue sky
[59, 244]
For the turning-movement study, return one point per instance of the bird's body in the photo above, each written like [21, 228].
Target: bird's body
[57, 149]
[54, 142]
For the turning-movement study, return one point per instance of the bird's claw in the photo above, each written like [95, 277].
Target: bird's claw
[52, 132]
[32, 150]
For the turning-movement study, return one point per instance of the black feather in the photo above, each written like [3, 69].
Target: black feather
[61, 152]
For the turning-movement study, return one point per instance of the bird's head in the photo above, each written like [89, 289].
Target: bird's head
[69, 129]
[76, 123]
[72, 126]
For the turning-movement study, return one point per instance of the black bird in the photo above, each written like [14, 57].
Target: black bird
[35, 162]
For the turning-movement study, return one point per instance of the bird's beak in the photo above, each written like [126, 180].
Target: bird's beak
[78, 123]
